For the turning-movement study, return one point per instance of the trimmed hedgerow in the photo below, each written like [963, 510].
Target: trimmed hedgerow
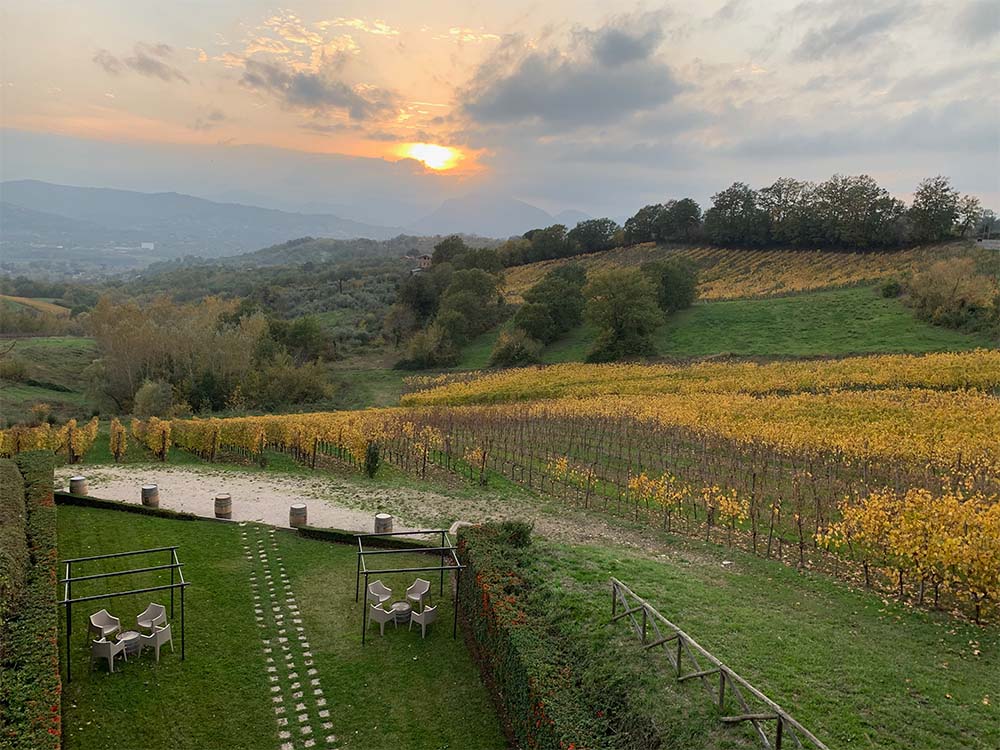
[549, 693]
[341, 536]
[14, 559]
[30, 687]
[86, 501]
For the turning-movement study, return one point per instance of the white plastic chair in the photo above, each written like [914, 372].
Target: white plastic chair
[423, 619]
[378, 592]
[382, 616]
[420, 590]
[105, 649]
[153, 615]
[157, 638]
[102, 624]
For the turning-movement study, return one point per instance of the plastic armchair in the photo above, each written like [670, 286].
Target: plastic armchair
[423, 619]
[382, 616]
[378, 592]
[103, 624]
[151, 617]
[420, 590]
[105, 649]
[157, 638]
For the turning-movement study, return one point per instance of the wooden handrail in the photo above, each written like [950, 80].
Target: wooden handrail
[633, 603]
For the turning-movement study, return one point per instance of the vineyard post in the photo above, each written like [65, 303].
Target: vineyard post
[315, 451]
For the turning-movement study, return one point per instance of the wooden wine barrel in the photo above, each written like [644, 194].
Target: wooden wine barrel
[223, 506]
[383, 523]
[297, 515]
[151, 496]
[78, 485]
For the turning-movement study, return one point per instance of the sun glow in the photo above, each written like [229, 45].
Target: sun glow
[431, 155]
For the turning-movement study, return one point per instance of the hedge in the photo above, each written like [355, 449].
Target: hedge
[86, 501]
[348, 537]
[30, 687]
[550, 694]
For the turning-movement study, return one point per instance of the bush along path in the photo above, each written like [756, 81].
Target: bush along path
[300, 708]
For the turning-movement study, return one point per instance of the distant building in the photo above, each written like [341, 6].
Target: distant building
[423, 261]
[148, 246]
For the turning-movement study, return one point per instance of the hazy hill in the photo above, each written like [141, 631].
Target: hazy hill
[177, 225]
[481, 214]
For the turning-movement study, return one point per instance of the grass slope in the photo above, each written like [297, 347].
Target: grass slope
[399, 691]
[830, 322]
[855, 670]
[54, 375]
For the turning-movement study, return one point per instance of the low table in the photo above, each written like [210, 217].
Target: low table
[132, 641]
[402, 611]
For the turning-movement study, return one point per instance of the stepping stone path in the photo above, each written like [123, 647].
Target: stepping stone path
[300, 709]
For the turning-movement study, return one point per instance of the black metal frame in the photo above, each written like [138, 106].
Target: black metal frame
[69, 580]
[447, 550]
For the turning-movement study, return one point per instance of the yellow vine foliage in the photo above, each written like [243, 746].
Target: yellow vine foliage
[66, 439]
[726, 273]
[979, 369]
[951, 539]
[118, 439]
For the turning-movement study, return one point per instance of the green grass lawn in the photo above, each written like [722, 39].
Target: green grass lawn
[855, 670]
[830, 322]
[840, 321]
[54, 369]
[399, 691]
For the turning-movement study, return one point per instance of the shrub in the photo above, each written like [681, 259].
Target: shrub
[155, 398]
[549, 693]
[372, 459]
[29, 663]
[891, 288]
[515, 348]
[13, 368]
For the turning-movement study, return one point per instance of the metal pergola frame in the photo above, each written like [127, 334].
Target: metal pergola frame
[68, 599]
[446, 548]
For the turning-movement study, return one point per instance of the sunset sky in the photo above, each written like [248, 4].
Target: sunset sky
[559, 103]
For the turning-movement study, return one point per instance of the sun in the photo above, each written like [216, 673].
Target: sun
[431, 155]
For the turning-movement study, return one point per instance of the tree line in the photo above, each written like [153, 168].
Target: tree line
[843, 212]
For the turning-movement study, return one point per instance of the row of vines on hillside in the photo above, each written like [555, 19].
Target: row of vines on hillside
[784, 478]
[71, 439]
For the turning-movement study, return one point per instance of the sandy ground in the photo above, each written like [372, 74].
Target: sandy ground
[256, 497]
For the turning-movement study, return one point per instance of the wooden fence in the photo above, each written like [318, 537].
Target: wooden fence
[724, 686]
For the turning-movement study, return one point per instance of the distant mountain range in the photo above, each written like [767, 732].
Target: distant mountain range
[100, 230]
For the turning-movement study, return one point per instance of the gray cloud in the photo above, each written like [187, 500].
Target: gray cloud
[209, 121]
[964, 126]
[111, 64]
[315, 91]
[979, 21]
[612, 75]
[848, 32]
[614, 46]
[146, 60]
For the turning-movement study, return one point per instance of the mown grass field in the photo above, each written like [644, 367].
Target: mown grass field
[831, 322]
[54, 374]
[399, 691]
[854, 669]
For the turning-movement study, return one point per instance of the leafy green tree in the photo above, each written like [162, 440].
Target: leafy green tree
[448, 249]
[934, 209]
[536, 320]
[550, 242]
[676, 282]
[679, 221]
[515, 347]
[642, 226]
[594, 235]
[621, 303]
[562, 298]
[735, 218]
